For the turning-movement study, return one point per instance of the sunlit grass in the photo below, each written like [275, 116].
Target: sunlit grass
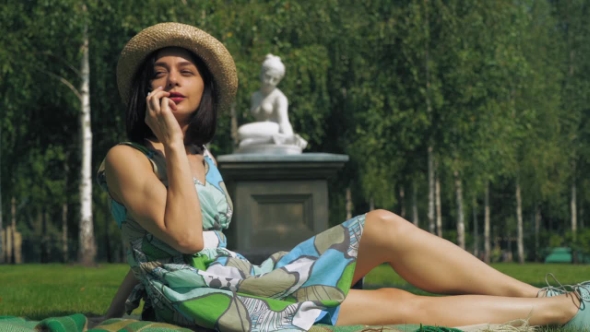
[41, 291]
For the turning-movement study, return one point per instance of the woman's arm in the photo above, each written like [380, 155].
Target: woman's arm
[172, 214]
[117, 307]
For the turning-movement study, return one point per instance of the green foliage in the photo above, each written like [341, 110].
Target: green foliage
[580, 242]
[498, 88]
[555, 241]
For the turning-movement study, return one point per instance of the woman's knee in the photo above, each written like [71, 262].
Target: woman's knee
[395, 295]
[386, 223]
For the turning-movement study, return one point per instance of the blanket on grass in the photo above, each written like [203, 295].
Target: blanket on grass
[79, 323]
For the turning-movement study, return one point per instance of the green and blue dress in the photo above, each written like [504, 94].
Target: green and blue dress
[219, 289]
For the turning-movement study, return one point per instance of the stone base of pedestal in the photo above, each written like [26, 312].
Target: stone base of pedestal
[270, 149]
[279, 200]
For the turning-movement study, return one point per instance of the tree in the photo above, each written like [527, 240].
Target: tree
[87, 244]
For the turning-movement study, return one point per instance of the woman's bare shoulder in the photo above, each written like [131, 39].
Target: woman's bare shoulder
[122, 153]
[126, 160]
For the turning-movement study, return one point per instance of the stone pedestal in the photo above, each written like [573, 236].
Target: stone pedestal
[279, 200]
[270, 149]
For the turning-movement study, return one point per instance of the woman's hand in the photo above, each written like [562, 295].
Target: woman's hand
[160, 119]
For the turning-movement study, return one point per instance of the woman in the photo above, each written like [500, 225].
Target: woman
[172, 206]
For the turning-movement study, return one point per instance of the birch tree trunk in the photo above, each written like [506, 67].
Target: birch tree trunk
[107, 245]
[537, 231]
[460, 214]
[12, 257]
[64, 215]
[475, 229]
[87, 246]
[415, 216]
[431, 225]
[64, 232]
[439, 228]
[573, 207]
[574, 216]
[572, 58]
[519, 231]
[402, 202]
[371, 204]
[348, 203]
[486, 225]
[42, 216]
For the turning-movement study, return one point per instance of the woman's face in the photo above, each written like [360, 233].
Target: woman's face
[175, 72]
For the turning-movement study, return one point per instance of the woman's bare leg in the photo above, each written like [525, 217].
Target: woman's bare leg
[429, 262]
[396, 306]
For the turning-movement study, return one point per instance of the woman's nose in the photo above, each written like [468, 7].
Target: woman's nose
[172, 79]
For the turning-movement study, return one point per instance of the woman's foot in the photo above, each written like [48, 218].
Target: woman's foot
[580, 295]
[581, 320]
[550, 290]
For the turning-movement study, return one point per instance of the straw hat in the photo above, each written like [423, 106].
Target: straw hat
[218, 60]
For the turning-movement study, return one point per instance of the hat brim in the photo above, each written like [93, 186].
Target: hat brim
[215, 56]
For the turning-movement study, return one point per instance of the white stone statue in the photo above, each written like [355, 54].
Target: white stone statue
[272, 132]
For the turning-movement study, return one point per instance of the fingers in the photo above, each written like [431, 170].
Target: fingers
[159, 116]
[158, 101]
[154, 100]
[169, 102]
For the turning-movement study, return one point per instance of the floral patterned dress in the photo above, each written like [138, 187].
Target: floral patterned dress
[221, 290]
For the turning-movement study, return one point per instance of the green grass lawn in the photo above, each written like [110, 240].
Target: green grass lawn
[40, 291]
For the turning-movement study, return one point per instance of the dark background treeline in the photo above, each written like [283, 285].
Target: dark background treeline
[467, 117]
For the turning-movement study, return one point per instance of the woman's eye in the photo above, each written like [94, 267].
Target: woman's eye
[159, 74]
[187, 72]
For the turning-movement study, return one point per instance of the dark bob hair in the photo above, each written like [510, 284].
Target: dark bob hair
[203, 123]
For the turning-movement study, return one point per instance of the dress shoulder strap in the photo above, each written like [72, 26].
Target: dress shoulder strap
[149, 153]
[158, 164]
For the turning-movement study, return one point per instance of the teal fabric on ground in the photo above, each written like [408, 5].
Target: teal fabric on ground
[74, 323]
[131, 325]
[17, 321]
